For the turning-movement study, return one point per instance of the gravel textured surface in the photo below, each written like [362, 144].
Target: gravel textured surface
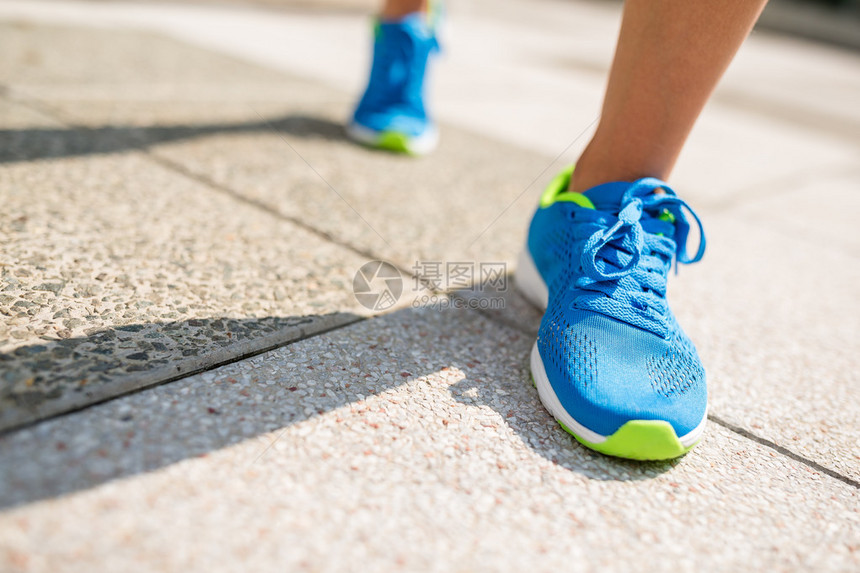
[98, 317]
[413, 441]
[14, 117]
[279, 141]
[777, 341]
[258, 133]
[123, 273]
[776, 336]
[53, 57]
[167, 209]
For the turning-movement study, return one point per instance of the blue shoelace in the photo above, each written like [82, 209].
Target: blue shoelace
[625, 264]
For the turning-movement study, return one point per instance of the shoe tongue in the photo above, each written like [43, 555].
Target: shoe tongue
[607, 197]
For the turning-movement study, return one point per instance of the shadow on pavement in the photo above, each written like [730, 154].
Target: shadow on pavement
[150, 430]
[520, 314]
[523, 422]
[55, 376]
[52, 143]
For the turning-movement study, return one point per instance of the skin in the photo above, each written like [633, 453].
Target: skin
[668, 60]
[396, 9]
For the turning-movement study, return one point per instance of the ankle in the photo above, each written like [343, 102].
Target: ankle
[397, 9]
[602, 162]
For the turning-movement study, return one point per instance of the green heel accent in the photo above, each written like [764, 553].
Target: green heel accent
[393, 141]
[640, 440]
[557, 191]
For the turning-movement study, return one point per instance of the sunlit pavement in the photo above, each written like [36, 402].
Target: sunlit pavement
[188, 382]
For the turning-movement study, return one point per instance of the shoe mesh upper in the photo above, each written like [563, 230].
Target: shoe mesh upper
[611, 347]
[394, 97]
[677, 370]
[575, 352]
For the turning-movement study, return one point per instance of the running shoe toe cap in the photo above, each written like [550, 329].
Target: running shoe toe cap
[606, 373]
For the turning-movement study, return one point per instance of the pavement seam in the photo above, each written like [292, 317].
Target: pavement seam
[233, 194]
[214, 185]
[158, 159]
[144, 149]
[249, 352]
[324, 235]
[717, 420]
[782, 450]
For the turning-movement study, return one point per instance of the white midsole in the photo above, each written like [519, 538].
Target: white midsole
[419, 145]
[552, 403]
[529, 281]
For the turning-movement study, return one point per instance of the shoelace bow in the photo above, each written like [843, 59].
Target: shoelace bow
[605, 250]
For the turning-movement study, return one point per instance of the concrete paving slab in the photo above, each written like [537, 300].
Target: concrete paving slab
[292, 159]
[803, 83]
[773, 310]
[14, 115]
[299, 164]
[734, 156]
[818, 207]
[776, 336]
[413, 441]
[552, 55]
[118, 273]
[463, 187]
[60, 56]
[775, 317]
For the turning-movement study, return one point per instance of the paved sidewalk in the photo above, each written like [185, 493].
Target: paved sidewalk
[182, 222]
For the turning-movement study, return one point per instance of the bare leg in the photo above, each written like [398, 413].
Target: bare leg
[670, 56]
[396, 9]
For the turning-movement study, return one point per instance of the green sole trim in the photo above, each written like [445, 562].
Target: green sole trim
[639, 440]
[393, 141]
[643, 440]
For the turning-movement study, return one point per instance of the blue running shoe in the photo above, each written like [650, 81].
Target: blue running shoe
[391, 114]
[611, 363]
